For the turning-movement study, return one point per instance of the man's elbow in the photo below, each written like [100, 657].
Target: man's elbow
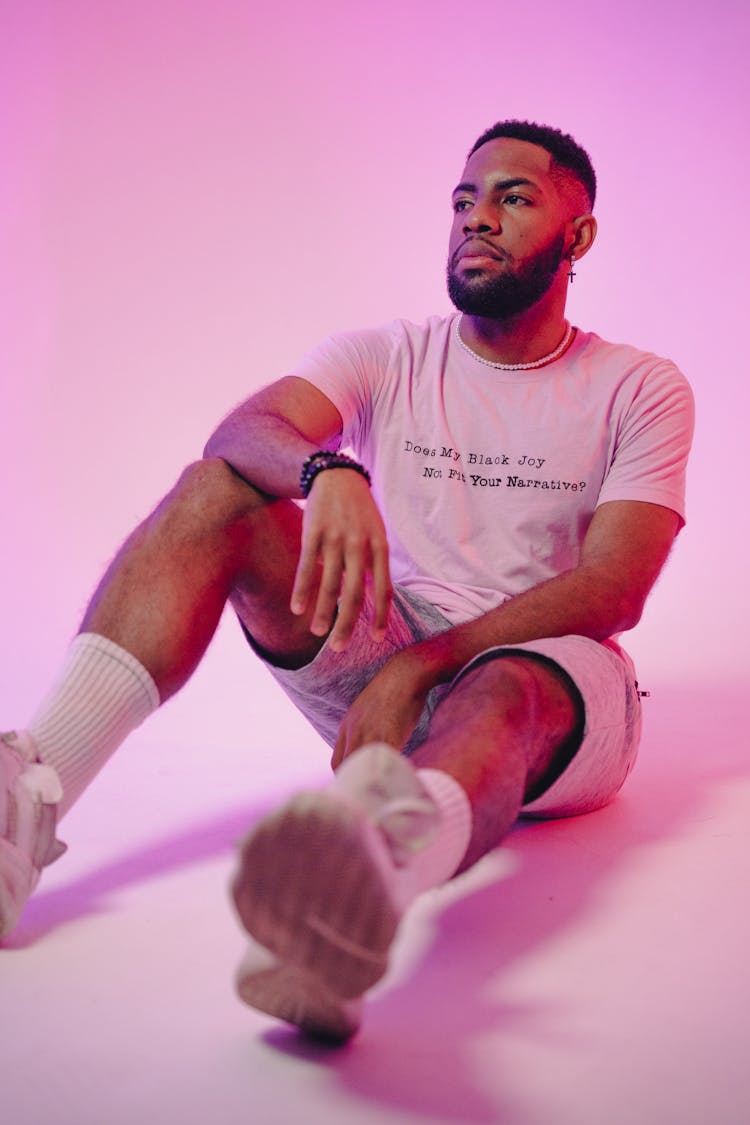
[220, 445]
[210, 449]
[630, 611]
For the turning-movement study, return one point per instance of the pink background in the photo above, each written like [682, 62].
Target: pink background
[193, 193]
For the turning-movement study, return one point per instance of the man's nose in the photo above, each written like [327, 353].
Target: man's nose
[481, 219]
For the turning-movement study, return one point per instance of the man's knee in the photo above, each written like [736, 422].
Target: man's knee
[209, 496]
[517, 689]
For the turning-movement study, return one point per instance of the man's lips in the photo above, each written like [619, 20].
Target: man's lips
[476, 250]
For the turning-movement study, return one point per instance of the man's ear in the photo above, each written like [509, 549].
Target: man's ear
[582, 232]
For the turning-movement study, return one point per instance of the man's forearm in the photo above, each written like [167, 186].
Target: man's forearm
[581, 601]
[266, 438]
[264, 450]
[626, 546]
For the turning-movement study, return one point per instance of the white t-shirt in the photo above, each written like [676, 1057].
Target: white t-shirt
[487, 480]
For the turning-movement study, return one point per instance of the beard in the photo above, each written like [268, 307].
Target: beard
[508, 293]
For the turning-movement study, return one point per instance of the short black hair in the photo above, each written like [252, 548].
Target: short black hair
[564, 150]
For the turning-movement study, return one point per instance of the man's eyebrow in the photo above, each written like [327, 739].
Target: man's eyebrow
[499, 185]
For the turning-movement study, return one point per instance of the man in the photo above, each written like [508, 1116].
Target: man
[460, 607]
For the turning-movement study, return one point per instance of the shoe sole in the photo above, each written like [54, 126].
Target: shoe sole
[309, 888]
[289, 993]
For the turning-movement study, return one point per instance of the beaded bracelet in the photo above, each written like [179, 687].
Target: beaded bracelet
[322, 460]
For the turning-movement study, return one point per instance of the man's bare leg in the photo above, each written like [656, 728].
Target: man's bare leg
[155, 611]
[497, 734]
[143, 634]
[212, 535]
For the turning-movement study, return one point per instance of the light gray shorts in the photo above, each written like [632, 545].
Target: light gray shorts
[592, 767]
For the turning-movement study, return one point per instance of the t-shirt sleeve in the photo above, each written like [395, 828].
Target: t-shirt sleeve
[349, 369]
[652, 442]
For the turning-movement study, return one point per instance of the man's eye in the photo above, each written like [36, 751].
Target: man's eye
[516, 200]
[461, 205]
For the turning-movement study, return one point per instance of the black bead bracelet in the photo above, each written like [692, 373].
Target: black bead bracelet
[322, 460]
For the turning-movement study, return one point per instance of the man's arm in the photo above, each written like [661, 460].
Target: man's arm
[265, 441]
[625, 548]
[267, 437]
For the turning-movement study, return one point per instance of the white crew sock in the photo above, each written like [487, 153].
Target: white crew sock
[435, 863]
[424, 817]
[102, 694]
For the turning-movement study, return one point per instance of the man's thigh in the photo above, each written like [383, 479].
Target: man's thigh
[261, 594]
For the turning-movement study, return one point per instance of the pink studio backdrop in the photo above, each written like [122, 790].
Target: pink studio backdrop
[194, 193]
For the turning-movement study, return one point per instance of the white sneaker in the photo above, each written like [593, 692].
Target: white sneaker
[322, 885]
[29, 794]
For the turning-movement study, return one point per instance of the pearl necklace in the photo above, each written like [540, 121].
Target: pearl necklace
[568, 336]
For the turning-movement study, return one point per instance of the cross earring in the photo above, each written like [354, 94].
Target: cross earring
[571, 272]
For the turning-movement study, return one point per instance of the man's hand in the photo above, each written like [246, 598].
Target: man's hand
[389, 707]
[344, 535]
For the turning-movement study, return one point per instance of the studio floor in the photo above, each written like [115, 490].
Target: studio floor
[590, 971]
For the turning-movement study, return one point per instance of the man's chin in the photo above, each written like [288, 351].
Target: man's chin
[492, 301]
[481, 304]
[467, 295]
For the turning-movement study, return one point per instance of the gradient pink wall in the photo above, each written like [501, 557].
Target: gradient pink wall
[193, 193]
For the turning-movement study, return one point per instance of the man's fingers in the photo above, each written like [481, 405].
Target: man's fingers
[328, 591]
[382, 590]
[339, 751]
[350, 602]
[303, 579]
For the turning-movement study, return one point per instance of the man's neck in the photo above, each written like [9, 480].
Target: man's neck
[519, 339]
